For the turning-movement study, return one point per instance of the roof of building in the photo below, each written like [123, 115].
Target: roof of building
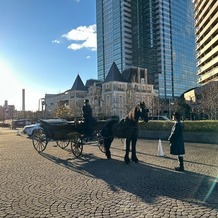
[128, 73]
[91, 82]
[114, 74]
[132, 74]
[78, 84]
[201, 88]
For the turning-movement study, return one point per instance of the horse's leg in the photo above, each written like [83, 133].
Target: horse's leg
[134, 157]
[107, 144]
[126, 157]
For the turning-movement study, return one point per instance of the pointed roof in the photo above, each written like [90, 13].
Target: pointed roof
[78, 84]
[114, 74]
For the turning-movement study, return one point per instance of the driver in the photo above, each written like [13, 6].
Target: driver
[88, 118]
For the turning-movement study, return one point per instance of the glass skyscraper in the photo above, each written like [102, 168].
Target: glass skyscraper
[113, 35]
[154, 34]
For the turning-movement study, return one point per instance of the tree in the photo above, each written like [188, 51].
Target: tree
[159, 106]
[209, 100]
[130, 97]
[183, 108]
[62, 111]
[95, 95]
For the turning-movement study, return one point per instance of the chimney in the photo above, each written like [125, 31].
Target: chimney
[6, 103]
[23, 100]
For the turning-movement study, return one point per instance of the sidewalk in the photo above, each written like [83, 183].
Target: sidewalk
[56, 184]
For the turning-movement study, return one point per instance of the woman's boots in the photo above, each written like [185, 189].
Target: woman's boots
[181, 164]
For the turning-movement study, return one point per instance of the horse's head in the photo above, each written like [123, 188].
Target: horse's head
[143, 111]
[139, 111]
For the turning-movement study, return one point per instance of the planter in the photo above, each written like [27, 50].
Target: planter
[151, 134]
[199, 137]
[202, 137]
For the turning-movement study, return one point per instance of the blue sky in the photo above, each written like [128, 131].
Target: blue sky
[44, 45]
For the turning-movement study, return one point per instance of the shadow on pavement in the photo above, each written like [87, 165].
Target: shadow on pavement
[145, 181]
[172, 158]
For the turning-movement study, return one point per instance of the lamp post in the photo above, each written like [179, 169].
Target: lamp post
[171, 103]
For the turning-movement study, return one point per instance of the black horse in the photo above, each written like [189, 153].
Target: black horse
[127, 128]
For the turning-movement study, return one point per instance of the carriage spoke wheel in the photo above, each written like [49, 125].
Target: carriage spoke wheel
[76, 145]
[101, 143]
[39, 140]
[63, 143]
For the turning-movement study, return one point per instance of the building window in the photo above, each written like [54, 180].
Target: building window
[120, 101]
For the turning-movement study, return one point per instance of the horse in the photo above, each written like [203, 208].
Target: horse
[126, 128]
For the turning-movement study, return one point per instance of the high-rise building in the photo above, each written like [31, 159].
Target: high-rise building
[113, 35]
[206, 23]
[154, 34]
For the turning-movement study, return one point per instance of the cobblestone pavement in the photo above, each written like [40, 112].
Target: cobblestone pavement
[56, 184]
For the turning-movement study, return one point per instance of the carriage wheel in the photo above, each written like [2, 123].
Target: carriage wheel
[76, 145]
[63, 143]
[101, 143]
[39, 140]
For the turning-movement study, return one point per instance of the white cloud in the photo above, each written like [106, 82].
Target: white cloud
[88, 57]
[82, 37]
[56, 41]
[91, 43]
[75, 46]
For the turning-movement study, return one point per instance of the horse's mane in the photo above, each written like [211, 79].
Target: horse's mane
[131, 114]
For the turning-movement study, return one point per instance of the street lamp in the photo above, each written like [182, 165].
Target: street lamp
[170, 108]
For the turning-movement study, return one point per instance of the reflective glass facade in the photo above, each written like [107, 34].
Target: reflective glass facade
[113, 35]
[175, 47]
[154, 34]
[144, 48]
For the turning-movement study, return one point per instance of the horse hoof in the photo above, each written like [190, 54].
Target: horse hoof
[126, 159]
[135, 159]
[108, 156]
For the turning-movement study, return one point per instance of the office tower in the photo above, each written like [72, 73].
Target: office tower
[153, 34]
[113, 35]
[206, 27]
[144, 49]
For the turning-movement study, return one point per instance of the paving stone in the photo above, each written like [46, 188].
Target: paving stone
[56, 184]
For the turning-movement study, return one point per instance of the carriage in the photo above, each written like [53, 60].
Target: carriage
[65, 132]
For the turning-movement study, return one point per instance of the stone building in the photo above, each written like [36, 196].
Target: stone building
[7, 111]
[121, 92]
[115, 96]
[71, 98]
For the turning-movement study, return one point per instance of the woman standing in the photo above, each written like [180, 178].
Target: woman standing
[177, 146]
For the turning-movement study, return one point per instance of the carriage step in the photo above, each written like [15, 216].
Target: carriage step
[89, 141]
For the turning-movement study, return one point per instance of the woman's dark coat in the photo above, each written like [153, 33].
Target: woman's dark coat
[176, 139]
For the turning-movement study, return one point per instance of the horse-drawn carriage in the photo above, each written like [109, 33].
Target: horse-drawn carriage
[64, 133]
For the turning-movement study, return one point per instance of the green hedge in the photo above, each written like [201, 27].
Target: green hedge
[189, 126]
